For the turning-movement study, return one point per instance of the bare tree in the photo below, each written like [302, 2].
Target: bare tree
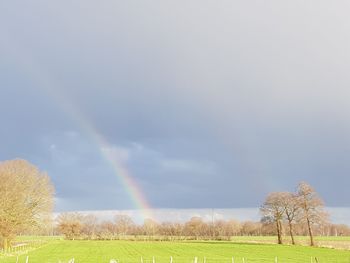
[339, 230]
[312, 208]
[26, 198]
[251, 228]
[170, 229]
[178, 229]
[150, 227]
[234, 227]
[70, 225]
[107, 230]
[273, 210]
[89, 226]
[124, 224]
[196, 227]
[290, 203]
[220, 229]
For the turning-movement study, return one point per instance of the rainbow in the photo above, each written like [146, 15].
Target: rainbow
[131, 186]
[120, 170]
[44, 82]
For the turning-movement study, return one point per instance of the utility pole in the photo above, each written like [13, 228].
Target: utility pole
[212, 223]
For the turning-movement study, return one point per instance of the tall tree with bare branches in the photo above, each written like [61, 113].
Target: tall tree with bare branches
[26, 198]
[312, 207]
[291, 205]
[273, 211]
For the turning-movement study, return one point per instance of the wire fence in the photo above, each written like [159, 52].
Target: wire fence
[22, 247]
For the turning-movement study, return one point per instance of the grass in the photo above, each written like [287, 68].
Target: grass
[43, 238]
[182, 252]
[297, 238]
[330, 242]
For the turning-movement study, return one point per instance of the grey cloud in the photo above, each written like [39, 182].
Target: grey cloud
[220, 96]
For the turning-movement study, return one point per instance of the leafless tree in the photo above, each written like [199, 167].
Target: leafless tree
[219, 229]
[150, 227]
[89, 226]
[196, 227]
[70, 225]
[312, 207]
[251, 228]
[273, 210]
[124, 224]
[338, 230]
[26, 198]
[234, 227]
[290, 203]
[178, 229]
[268, 228]
[107, 230]
[170, 229]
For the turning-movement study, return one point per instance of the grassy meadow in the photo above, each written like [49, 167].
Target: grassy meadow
[55, 251]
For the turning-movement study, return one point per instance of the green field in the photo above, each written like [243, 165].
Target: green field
[182, 252]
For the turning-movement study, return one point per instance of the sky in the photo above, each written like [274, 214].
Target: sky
[206, 104]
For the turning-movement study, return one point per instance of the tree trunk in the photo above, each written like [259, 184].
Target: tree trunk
[281, 231]
[291, 232]
[279, 234]
[5, 244]
[310, 232]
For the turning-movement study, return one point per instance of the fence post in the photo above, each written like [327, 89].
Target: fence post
[27, 259]
[153, 260]
[171, 259]
[276, 260]
[233, 260]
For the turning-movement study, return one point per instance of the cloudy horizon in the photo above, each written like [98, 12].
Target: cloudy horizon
[338, 215]
[203, 104]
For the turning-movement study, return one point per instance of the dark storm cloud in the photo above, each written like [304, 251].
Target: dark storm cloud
[209, 104]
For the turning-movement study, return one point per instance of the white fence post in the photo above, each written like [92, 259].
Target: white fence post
[27, 259]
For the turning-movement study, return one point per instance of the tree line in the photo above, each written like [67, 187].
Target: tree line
[283, 213]
[26, 205]
[78, 226]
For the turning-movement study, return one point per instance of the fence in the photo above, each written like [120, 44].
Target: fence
[22, 247]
